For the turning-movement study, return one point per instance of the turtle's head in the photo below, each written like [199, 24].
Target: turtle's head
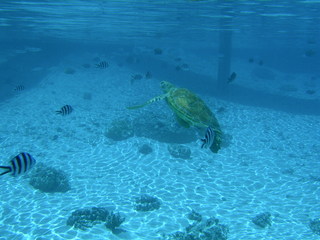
[166, 86]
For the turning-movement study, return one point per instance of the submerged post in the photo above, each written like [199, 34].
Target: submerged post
[225, 45]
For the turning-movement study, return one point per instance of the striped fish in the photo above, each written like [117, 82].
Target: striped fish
[102, 65]
[232, 77]
[19, 88]
[208, 139]
[20, 164]
[148, 75]
[65, 110]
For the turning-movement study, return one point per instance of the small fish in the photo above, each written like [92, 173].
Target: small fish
[310, 92]
[309, 53]
[208, 139]
[185, 66]
[148, 75]
[20, 164]
[19, 88]
[182, 67]
[232, 77]
[65, 110]
[157, 51]
[135, 77]
[102, 65]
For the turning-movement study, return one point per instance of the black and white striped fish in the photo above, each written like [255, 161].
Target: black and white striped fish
[232, 77]
[20, 164]
[65, 110]
[19, 88]
[102, 65]
[208, 139]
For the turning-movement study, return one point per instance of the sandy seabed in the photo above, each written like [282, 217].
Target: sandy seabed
[270, 165]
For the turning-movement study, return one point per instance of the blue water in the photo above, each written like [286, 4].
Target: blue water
[273, 46]
[280, 33]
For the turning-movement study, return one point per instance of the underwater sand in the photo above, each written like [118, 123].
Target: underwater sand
[271, 164]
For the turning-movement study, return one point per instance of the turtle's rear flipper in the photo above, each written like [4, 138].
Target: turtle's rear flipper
[215, 147]
[155, 99]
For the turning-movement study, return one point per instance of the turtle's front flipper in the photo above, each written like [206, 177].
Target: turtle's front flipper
[155, 99]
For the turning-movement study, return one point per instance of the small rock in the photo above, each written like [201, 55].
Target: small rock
[146, 203]
[179, 151]
[315, 226]
[145, 149]
[194, 216]
[262, 220]
[48, 179]
[120, 130]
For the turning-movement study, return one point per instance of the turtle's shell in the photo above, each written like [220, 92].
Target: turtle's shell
[190, 108]
[192, 111]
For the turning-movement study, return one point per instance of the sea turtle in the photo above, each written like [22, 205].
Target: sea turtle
[189, 109]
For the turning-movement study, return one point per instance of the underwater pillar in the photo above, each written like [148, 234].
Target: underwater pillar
[224, 54]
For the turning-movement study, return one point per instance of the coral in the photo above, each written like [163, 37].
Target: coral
[177, 236]
[113, 221]
[146, 203]
[262, 220]
[87, 218]
[315, 226]
[194, 216]
[48, 179]
[120, 130]
[145, 149]
[179, 151]
[206, 230]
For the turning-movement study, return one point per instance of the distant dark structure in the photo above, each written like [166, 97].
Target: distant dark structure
[224, 56]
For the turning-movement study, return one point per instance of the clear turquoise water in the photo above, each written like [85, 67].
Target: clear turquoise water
[269, 160]
[285, 22]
